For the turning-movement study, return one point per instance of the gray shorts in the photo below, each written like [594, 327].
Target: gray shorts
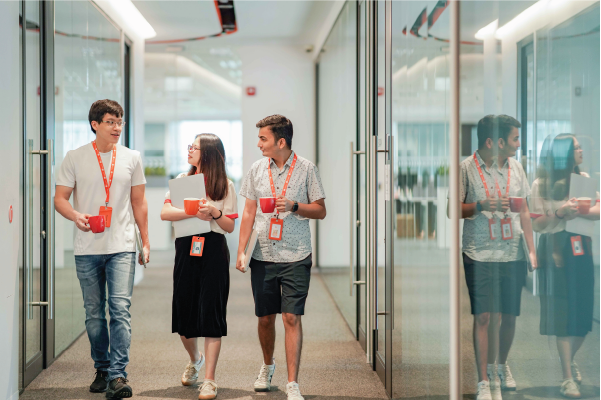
[280, 287]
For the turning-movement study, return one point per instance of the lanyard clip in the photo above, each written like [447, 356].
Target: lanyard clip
[106, 204]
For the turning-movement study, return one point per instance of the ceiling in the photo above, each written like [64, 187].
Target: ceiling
[293, 21]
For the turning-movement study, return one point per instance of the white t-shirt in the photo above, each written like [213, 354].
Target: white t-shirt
[228, 205]
[80, 170]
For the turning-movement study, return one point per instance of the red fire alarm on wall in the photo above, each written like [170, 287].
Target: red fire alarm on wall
[380, 91]
[251, 90]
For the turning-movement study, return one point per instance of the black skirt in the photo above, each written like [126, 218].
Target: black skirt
[201, 287]
[567, 286]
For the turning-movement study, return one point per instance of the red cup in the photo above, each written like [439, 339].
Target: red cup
[96, 223]
[584, 205]
[267, 204]
[515, 204]
[191, 205]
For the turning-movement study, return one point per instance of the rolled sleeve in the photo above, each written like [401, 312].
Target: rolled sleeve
[137, 177]
[230, 204]
[66, 173]
[248, 190]
[314, 187]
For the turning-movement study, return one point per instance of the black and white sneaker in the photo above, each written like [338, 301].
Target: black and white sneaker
[118, 389]
[100, 384]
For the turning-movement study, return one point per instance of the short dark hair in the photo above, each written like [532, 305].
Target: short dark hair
[102, 107]
[495, 127]
[280, 126]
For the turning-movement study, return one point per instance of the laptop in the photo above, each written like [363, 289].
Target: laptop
[250, 247]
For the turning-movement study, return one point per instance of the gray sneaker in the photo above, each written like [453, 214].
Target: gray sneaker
[263, 382]
[576, 373]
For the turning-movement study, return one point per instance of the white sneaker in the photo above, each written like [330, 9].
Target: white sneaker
[208, 390]
[494, 382]
[293, 391]
[569, 389]
[263, 382]
[483, 391]
[190, 375]
[576, 373]
[507, 381]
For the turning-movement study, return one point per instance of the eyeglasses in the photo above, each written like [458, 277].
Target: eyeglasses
[192, 149]
[113, 123]
[577, 148]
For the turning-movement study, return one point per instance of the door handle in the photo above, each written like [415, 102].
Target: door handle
[47, 233]
[353, 223]
[50, 229]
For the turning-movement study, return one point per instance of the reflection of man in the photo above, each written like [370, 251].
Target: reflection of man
[493, 255]
[281, 262]
[107, 179]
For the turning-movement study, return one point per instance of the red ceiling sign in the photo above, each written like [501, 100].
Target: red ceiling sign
[251, 90]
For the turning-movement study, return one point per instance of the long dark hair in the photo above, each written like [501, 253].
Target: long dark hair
[556, 165]
[212, 165]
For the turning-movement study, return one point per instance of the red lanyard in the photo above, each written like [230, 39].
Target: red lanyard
[287, 178]
[107, 184]
[496, 183]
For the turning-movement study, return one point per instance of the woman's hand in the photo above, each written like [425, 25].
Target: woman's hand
[569, 210]
[206, 211]
[533, 260]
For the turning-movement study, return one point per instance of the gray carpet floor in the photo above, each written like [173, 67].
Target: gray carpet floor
[333, 365]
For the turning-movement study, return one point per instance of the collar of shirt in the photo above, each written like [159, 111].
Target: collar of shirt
[494, 163]
[288, 163]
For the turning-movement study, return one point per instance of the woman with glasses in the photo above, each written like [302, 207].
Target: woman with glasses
[566, 277]
[201, 284]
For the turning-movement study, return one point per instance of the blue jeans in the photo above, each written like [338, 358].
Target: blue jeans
[95, 274]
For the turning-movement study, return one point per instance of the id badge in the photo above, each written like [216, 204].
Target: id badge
[198, 244]
[493, 229]
[577, 248]
[107, 212]
[275, 229]
[506, 229]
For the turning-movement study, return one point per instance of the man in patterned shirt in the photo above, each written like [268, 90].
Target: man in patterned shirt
[493, 255]
[281, 261]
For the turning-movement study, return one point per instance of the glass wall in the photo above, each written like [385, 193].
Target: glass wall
[420, 128]
[88, 67]
[337, 127]
[530, 274]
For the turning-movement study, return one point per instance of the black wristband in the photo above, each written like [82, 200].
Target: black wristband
[557, 215]
[295, 207]
[220, 214]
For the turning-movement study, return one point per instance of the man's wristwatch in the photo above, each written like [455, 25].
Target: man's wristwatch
[478, 206]
[295, 207]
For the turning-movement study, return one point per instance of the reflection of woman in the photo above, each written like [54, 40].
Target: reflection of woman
[201, 284]
[566, 274]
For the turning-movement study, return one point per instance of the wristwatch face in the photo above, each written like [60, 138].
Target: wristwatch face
[478, 206]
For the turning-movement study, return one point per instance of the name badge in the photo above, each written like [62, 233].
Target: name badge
[493, 228]
[577, 248]
[107, 212]
[198, 244]
[506, 229]
[275, 229]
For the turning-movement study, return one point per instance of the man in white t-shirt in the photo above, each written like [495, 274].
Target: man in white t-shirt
[106, 179]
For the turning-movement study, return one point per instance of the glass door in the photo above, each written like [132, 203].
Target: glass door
[36, 257]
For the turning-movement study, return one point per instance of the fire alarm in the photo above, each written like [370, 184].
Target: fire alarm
[10, 215]
[380, 91]
[251, 91]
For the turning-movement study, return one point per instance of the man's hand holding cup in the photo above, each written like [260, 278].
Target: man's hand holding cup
[490, 204]
[282, 204]
[81, 221]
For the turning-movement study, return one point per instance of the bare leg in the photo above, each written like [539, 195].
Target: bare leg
[576, 343]
[506, 335]
[267, 337]
[565, 355]
[493, 337]
[212, 348]
[480, 333]
[191, 346]
[294, 344]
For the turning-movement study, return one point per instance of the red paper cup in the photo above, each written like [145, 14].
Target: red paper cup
[96, 223]
[191, 205]
[584, 205]
[267, 204]
[515, 204]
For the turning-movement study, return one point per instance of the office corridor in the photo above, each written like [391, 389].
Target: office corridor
[333, 365]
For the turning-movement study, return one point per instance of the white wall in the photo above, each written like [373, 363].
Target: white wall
[9, 182]
[284, 77]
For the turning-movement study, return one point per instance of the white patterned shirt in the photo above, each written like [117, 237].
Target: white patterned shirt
[476, 234]
[304, 187]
